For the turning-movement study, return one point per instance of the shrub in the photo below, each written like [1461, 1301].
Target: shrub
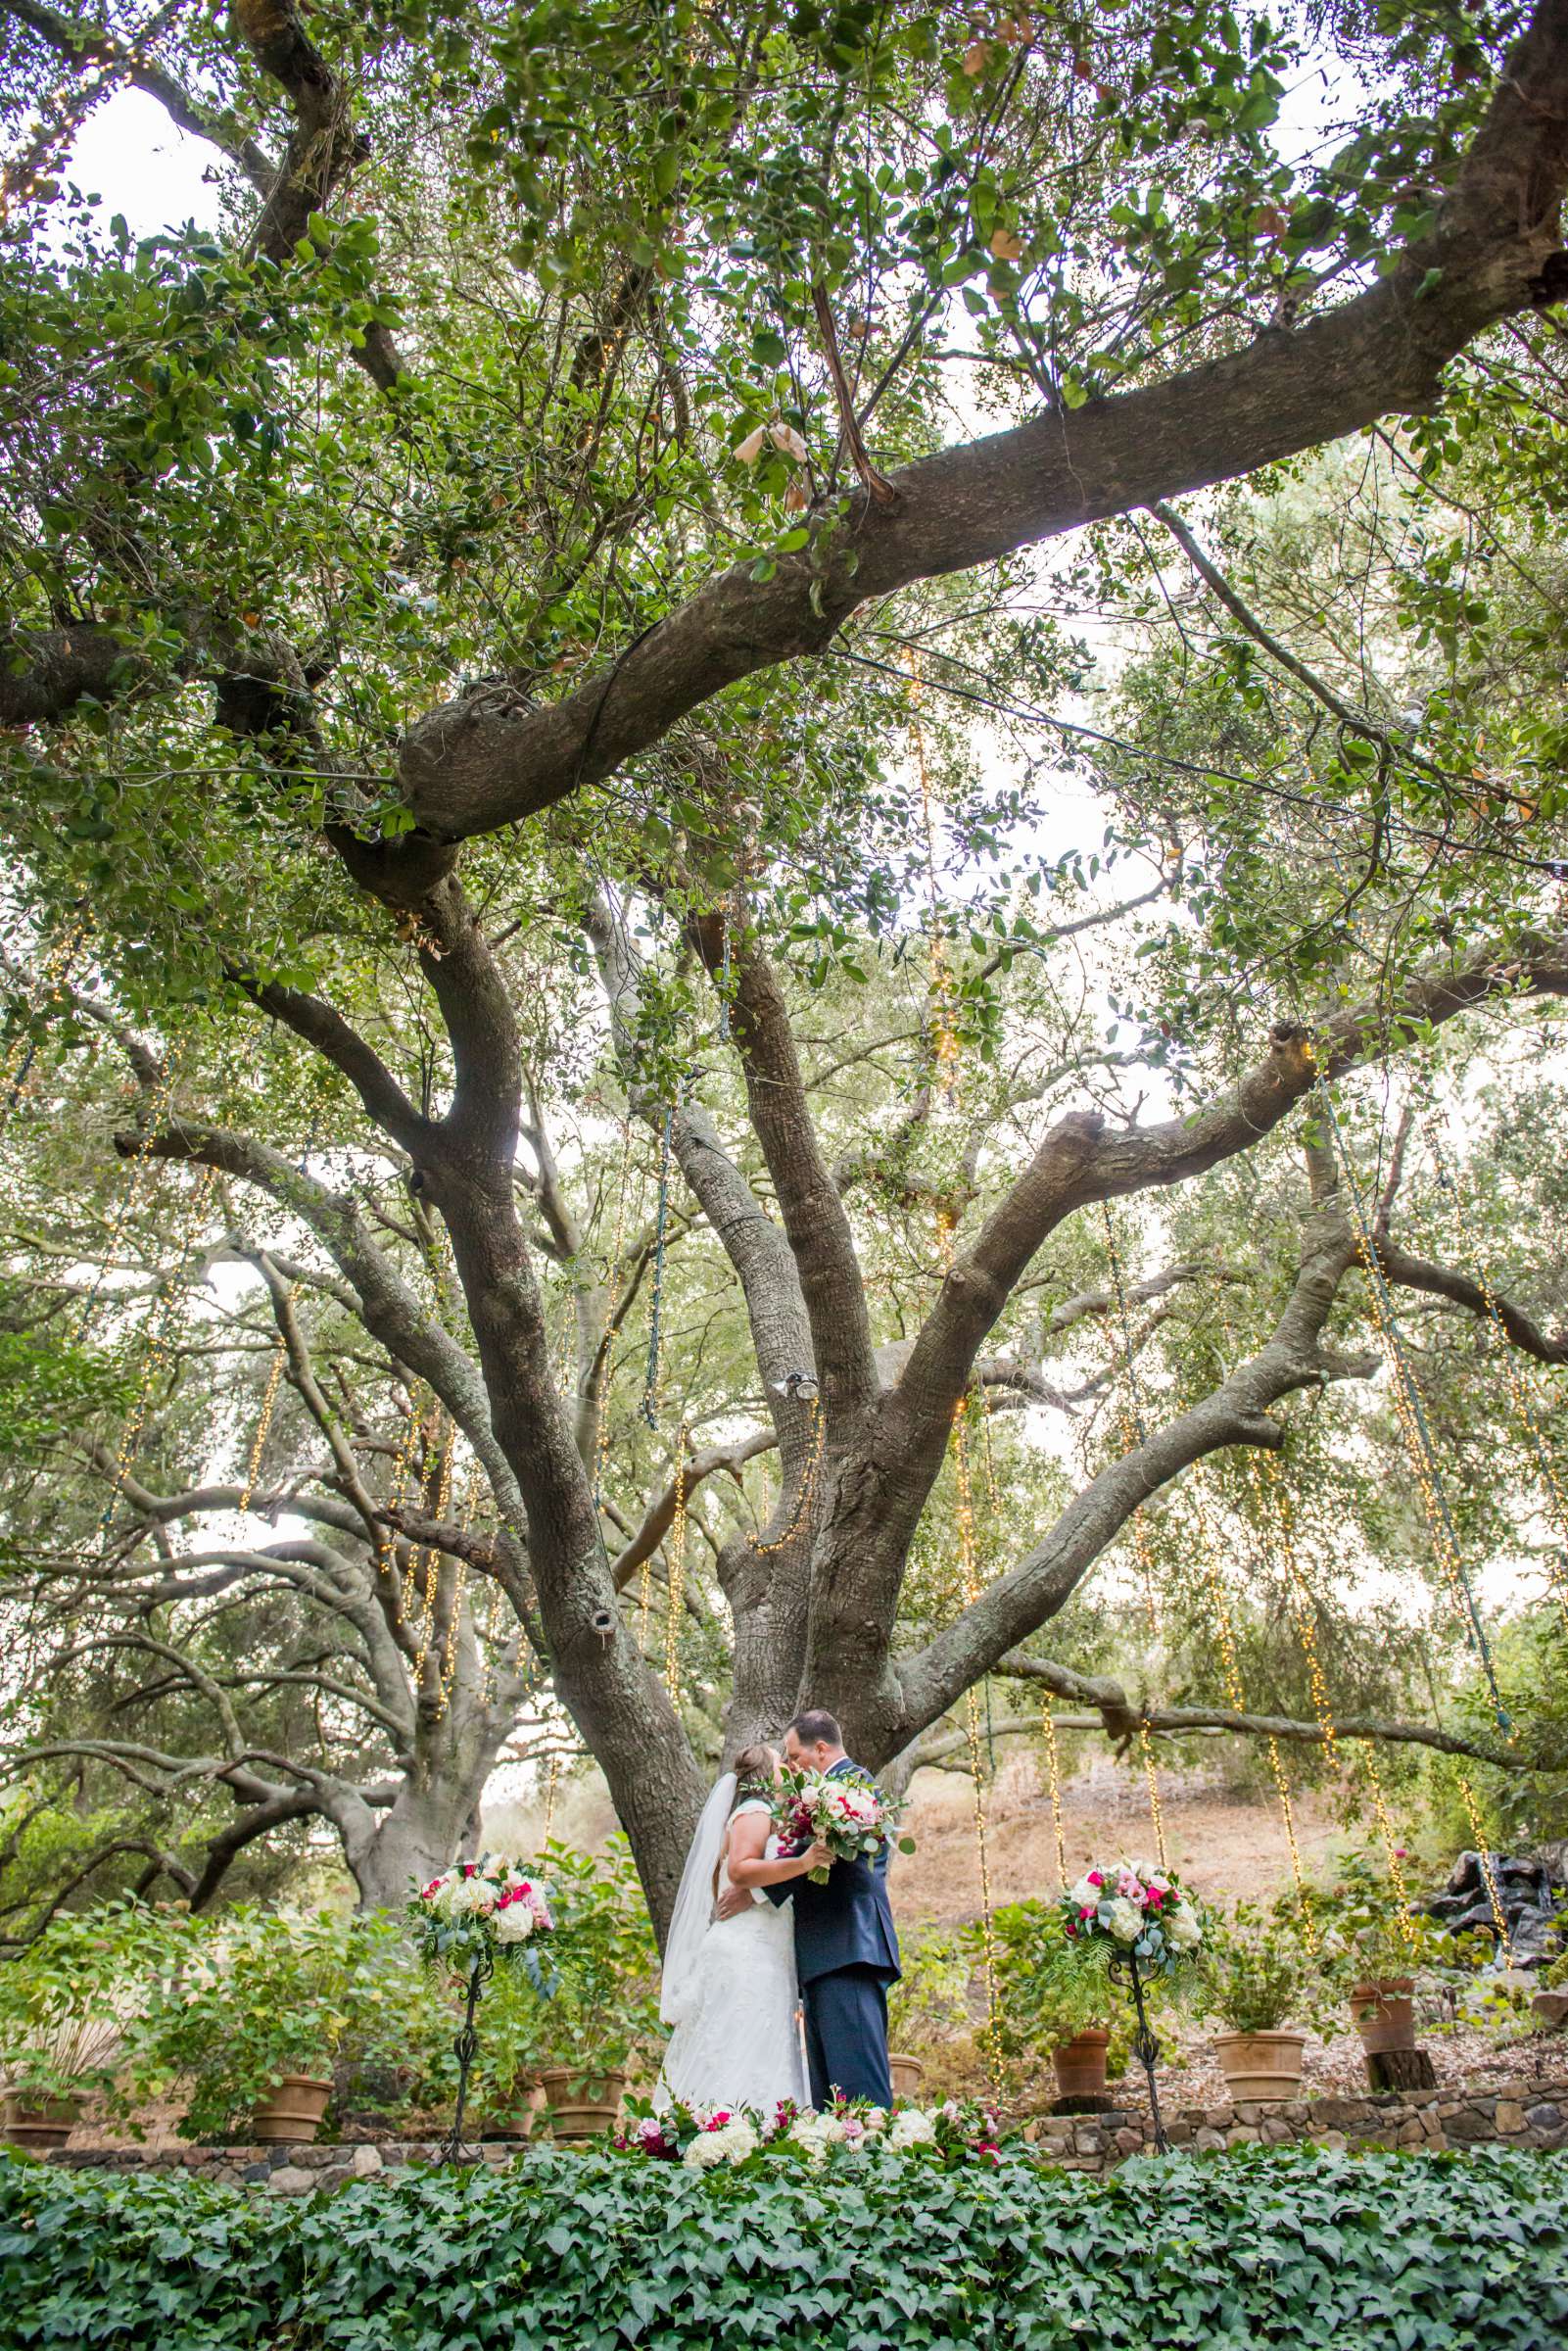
[67, 1996]
[1266, 2248]
[929, 2004]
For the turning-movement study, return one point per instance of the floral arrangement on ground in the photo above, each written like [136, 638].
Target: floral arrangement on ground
[958, 2130]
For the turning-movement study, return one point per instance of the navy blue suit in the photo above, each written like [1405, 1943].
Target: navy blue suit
[846, 1954]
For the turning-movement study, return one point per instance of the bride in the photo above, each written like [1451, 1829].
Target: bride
[729, 1984]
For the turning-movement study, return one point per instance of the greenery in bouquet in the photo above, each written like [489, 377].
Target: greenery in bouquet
[66, 1998]
[247, 2000]
[1257, 1971]
[845, 1810]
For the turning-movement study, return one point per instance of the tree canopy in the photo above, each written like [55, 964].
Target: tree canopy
[643, 796]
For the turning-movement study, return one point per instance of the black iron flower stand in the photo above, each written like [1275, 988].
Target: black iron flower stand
[1144, 2045]
[466, 2048]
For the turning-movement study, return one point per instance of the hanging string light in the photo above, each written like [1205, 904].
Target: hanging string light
[677, 1573]
[21, 1058]
[403, 1464]
[550, 1797]
[270, 1398]
[1053, 1764]
[160, 1340]
[1410, 1413]
[1134, 1429]
[1519, 1384]
[135, 1185]
[816, 1431]
[968, 1565]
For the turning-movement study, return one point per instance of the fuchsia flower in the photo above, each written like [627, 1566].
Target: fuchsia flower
[1096, 1877]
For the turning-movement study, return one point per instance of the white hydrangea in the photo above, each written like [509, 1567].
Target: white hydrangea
[736, 2138]
[913, 2128]
[1182, 1929]
[1085, 1895]
[706, 2150]
[1125, 1920]
[514, 1923]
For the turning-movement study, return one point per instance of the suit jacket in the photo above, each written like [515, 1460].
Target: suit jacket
[849, 1921]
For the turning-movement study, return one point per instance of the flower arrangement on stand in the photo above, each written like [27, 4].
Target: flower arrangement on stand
[465, 1920]
[846, 1813]
[1142, 1924]
[705, 2138]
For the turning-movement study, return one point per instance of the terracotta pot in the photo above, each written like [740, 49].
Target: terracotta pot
[1552, 2007]
[1260, 2065]
[1080, 2064]
[1385, 2014]
[908, 2073]
[38, 2125]
[580, 2106]
[294, 2111]
[517, 2119]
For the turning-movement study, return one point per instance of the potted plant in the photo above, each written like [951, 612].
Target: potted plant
[1254, 1976]
[1372, 1946]
[63, 2004]
[251, 2021]
[604, 2009]
[1551, 1997]
[1052, 1999]
[928, 2003]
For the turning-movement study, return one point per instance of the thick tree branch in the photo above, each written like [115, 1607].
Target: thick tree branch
[1122, 1718]
[1447, 1281]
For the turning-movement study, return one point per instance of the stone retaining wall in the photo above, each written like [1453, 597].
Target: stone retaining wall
[1518, 2114]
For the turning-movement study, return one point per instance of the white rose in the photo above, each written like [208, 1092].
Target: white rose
[1125, 1921]
[875, 2119]
[705, 2150]
[514, 1924]
[1182, 1929]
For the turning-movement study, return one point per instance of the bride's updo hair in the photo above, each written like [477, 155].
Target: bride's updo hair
[754, 1767]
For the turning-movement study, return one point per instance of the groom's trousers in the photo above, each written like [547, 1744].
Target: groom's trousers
[846, 2035]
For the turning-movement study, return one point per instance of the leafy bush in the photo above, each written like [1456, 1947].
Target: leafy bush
[66, 1998]
[1266, 2248]
[256, 1996]
[1047, 1990]
[929, 2004]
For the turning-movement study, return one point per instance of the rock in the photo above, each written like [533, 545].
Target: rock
[1508, 2119]
[1242, 2135]
[364, 2161]
[1333, 2138]
[1210, 2140]
[1467, 2128]
[1129, 2141]
[290, 2179]
[1274, 2130]
[255, 2172]
[1545, 2117]
[1089, 2139]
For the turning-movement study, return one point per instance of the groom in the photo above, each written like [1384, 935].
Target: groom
[847, 1953]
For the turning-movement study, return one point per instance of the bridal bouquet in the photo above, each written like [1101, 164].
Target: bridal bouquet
[849, 1815]
[476, 1911]
[1133, 1907]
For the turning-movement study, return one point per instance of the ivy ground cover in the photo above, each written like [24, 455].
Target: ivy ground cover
[1285, 2247]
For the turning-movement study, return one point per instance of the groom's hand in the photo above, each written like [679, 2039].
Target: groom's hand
[734, 1899]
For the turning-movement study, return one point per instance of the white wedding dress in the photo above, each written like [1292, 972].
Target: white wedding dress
[730, 1987]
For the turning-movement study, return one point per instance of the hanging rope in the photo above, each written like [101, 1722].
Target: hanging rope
[1410, 1412]
[617, 1267]
[654, 1379]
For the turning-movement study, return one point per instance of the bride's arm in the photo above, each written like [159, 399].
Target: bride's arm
[749, 1834]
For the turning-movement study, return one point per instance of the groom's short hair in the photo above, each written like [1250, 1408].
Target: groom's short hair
[816, 1727]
